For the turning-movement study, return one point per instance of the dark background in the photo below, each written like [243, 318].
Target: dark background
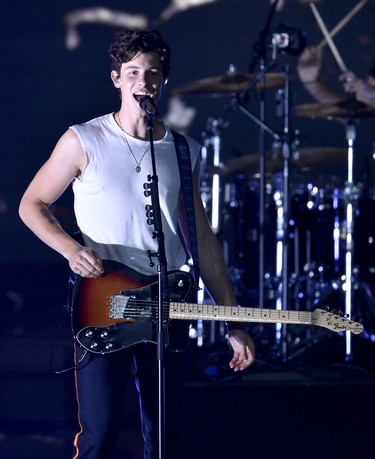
[45, 88]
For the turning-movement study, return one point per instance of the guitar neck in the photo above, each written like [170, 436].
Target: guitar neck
[191, 311]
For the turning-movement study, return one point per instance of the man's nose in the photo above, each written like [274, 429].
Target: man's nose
[142, 80]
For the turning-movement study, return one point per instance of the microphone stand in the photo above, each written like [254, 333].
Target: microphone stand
[153, 214]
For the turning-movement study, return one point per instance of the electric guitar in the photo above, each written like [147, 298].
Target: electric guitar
[120, 309]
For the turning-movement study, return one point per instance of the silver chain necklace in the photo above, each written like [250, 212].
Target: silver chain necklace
[138, 163]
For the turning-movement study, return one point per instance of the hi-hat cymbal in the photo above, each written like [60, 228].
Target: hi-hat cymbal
[227, 83]
[303, 159]
[349, 108]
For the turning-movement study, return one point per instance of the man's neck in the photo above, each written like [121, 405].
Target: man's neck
[138, 127]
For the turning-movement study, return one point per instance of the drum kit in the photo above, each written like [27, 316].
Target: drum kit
[288, 243]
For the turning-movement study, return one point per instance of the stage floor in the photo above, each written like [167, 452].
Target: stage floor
[313, 406]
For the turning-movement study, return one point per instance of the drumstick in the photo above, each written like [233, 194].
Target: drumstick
[343, 22]
[328, 38]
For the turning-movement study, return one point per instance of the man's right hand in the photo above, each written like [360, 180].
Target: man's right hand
[86, 262]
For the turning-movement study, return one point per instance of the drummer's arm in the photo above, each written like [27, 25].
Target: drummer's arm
[321, 92]
[308, 69]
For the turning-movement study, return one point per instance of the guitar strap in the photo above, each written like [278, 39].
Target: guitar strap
[184, 165]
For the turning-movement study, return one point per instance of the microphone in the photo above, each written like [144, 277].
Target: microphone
[290, 40]
[147, 105]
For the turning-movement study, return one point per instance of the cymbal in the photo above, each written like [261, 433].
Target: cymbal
[307, 158]
[349, 108]
[303, 159]
[229, 82]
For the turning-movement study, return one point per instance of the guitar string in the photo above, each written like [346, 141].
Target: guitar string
[134, 312]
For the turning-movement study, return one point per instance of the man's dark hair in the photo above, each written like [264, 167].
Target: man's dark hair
[129, 43]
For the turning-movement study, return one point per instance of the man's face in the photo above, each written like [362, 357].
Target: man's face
[142, 76]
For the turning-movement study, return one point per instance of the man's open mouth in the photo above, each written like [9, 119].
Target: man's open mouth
[138, 95]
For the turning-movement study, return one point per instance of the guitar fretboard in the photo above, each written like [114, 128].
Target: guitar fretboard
[191, 311]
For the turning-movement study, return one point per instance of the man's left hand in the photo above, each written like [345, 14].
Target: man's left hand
[243, 349]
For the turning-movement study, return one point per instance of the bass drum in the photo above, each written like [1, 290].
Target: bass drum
[240, 235]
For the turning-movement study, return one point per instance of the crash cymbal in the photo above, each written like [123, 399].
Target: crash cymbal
[347, 108]
[303, 159]
[227, 83]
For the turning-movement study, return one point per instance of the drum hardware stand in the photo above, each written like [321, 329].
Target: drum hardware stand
[348, 283]
[282, 208]
[210, 188]
[259, 55]
[236, 103]
[286, 153]
[210, 192]
[286, 41]
[351, 193]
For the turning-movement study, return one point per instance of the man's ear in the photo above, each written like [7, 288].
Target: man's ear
[115, 77]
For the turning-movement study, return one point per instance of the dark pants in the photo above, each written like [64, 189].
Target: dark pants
[101, 382]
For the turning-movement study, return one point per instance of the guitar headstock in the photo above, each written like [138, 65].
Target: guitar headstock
[335, 322]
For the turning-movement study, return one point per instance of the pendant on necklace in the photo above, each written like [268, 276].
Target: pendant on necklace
[138, 169]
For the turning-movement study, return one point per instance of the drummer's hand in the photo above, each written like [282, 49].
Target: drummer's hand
[348, 80]
[309, 64]
[362, 90]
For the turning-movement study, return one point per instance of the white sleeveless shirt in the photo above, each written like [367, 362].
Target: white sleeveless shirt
[109, 200]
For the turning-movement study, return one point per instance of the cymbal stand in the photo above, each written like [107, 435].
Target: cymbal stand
[283, 211]
[259, 121]
[210, 192]
[210, 188]
[259, 55]
[351, 194]
[283, 222]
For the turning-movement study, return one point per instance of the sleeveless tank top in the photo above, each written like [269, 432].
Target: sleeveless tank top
[109, 199]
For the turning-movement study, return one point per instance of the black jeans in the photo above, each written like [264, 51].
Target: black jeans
[100, 384]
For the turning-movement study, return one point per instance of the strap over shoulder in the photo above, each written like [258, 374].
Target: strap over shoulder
[186, 176]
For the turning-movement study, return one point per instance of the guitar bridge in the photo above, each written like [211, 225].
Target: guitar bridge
[118, 305]
[128, 307]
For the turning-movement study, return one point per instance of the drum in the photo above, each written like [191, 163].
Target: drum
[240, 234]
[317, 231]
[316, 235]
